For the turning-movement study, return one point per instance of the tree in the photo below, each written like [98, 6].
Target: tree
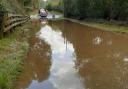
[82, 6]
[96, 9]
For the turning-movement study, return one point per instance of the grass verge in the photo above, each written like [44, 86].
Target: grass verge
[108, 26]
[13, 49]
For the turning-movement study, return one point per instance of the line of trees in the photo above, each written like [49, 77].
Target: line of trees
[96, 9]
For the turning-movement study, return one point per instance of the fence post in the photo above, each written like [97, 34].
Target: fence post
[2, 23]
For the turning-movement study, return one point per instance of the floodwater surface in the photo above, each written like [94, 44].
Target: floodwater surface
[67, 55]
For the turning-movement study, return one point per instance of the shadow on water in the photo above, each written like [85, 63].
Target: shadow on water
[67, 55]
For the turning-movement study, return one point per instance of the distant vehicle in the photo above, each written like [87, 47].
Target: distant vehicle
[43, 13]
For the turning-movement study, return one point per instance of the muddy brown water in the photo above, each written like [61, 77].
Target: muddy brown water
[67, 55]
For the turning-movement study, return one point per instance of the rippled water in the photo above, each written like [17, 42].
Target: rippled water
[67, 55]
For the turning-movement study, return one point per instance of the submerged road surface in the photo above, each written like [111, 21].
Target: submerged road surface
[67, 55]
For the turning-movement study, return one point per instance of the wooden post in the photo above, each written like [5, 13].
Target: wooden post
[1, 24]
[5, 23]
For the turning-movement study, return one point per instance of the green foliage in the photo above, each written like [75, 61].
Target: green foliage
[2, 8]
[69, 9]
[49, 7]
[18, 6]
[96, 9]
[14, 7]
[26, 2]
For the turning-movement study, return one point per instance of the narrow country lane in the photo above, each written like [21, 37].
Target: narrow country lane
[67, 55]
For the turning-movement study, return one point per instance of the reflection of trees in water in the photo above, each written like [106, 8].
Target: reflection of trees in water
[100, 64]
[36, 65]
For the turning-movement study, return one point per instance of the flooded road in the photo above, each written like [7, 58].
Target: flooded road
[67, 55]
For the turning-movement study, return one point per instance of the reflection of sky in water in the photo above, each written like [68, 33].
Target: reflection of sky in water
[63, 75]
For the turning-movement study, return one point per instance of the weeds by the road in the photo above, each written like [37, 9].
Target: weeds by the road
[12, 53]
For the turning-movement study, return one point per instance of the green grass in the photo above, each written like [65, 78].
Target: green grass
[12, 53]
[10, 66]
[108, 26]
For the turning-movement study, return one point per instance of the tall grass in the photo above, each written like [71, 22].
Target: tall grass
[11, 65]
[12, 53]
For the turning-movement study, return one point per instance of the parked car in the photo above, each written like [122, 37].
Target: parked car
[43, 13]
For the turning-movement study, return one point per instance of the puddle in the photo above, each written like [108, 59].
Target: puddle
[67, 55]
